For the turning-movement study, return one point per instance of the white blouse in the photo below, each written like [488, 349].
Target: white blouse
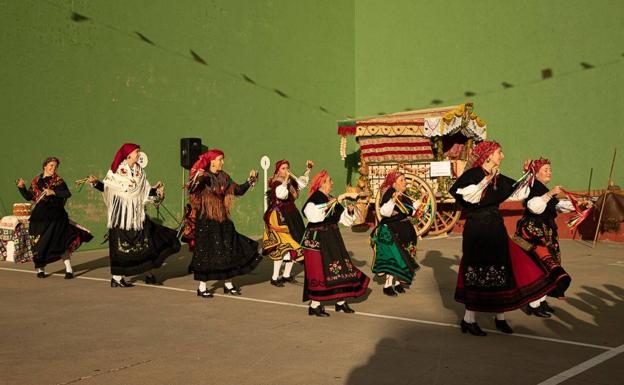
[472, 193]
[281, 191]
[537, 205]
[316, 214]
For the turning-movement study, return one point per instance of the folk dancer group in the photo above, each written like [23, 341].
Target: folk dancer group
[496, 274]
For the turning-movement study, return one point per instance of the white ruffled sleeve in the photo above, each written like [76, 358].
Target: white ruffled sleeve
[565, 206]
[387, 208]
[347, 219]
[472, 193]
[281, 192]
[521, 193]
[315, 213]
[537, 205]
[303, 180]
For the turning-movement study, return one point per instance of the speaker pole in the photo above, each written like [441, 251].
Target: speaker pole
[265, 163]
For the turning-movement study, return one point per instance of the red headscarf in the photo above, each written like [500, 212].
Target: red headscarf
[279, 164]
[482, 150]
[317, 181]
[390, 179]
[122, 154]
[204, 161]
[535, 165]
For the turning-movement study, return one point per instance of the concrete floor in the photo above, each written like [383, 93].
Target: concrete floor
[56, 331]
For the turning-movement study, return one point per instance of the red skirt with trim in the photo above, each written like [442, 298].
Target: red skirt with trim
[479, 288]
[316, 288]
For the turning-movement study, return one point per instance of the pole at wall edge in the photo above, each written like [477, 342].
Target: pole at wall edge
[265, 163]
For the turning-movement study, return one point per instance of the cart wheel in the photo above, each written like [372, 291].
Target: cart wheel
[447, 214]
[418, 189]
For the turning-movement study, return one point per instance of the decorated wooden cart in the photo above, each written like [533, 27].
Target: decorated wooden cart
[429, 146]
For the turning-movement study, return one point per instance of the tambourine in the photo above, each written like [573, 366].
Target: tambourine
[142, 161]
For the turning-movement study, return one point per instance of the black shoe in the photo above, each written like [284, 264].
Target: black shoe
[279, 282]
[546, 307]
[150, 279]
[318, 311]
[69, 275]
[503, 326]
[472, 328]
[233, 291]
[345, 308]
[399, 288]
[41, 274]
[536, 311]
[389, 291]
[121, 283]
[205, 294]
[288, 279]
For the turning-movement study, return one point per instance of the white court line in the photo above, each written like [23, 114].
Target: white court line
[583, 366]
[371, 315]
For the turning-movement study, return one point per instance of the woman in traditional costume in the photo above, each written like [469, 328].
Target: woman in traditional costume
[394, 239]
[536, 232]
[52, 234]
[136, 244]
[495, 274]
[329, 272]
[283, 225]
[220, 253]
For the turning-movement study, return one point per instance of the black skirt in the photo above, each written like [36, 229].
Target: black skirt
[222, 253]
[51, 240]
[134, 252]
[295, 224]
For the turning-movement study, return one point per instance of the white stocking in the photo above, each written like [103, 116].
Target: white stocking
[388, 281]
[68, 266]
[535, 304]
[276, 269]
[288, 268]
[470, 316]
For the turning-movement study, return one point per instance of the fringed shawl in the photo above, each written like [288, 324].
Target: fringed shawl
[214, 197]
[51, 183]
[125, 194]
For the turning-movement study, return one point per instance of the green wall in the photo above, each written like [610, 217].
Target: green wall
[80, 90]
[409, 52]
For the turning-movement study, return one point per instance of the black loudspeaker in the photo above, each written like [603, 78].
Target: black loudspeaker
[190, 150]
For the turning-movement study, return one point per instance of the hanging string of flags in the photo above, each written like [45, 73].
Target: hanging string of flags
[194, 55]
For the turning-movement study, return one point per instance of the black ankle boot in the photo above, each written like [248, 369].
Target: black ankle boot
[344, 307]
[503, 326]
[288, 279]
[69, 275]
[150, 279]
[233, 291]
[399, 288]
[121, 283]
[546, 307]
[204, 294]
[279, 282]
[41, 274]
[389, 291]
[318, 311]
[536, 311]
[472, 328]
